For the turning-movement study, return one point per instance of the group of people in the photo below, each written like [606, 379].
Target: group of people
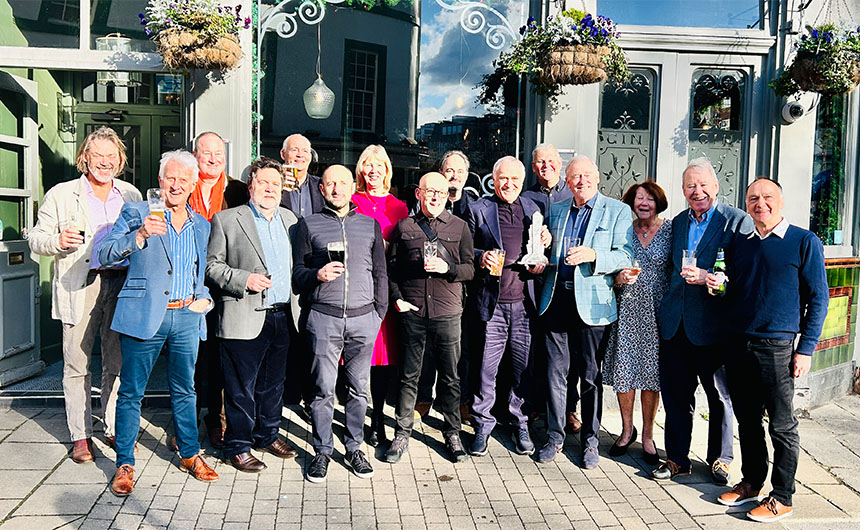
[559, 286]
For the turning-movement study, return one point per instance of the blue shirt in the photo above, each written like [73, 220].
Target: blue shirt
[697, 228]
[276, 250]
[300, 199]
[577, 223]
[183, 256]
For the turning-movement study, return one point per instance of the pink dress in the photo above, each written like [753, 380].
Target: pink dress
[387, 211]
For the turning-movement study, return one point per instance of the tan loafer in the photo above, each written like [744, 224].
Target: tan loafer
[198, 468]
[82, 452]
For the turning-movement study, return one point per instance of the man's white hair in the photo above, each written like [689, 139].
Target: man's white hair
[520, 167]
[701, 164]
[181, 157]
[296, 135]
[577, 159]
[545, 147]
[454, 152]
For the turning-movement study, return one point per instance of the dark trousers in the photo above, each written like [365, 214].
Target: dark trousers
[683, 366]
[333, 338]
[509, 324]
[539, 395]
[254, 385]
[760, 380]
[571, 344]
[470, 349]
[438, 338]
[209, 377]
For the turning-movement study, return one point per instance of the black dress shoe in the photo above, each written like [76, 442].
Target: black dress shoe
[621, 450]
[652, 459]
[372, 438]
[247, 463]
[281, 449]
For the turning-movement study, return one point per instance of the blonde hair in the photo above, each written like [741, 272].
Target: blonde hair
[373, 152]
[102, 133]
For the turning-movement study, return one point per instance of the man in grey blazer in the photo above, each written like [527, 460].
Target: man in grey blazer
[693, 327]
[249, 264]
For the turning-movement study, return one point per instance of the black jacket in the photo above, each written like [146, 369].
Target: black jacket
[317, 201]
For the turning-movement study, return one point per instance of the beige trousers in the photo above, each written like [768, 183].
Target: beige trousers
[78, 339]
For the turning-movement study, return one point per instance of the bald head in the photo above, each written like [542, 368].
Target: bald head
[432, 193]
[337, 187]
[764, 203]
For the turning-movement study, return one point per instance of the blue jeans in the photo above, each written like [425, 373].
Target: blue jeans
[180, 329]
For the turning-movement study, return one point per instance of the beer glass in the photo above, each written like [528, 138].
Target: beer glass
[77, 223]
[567, 244]
[688, 259]
[431, 250]
[155, 198]
[291, 177]
[265, 306]
[336, 251]
[497, 270]
[635, 267]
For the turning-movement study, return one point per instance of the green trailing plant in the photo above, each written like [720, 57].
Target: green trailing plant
[203, 17]
[827, 62]
[530, 55]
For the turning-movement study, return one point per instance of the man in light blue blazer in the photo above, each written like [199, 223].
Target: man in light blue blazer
[693, 327]
[581, 279]
[163, 300]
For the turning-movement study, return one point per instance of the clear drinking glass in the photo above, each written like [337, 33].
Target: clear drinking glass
[77, 223]
[155, 198]
[265, 306]
[431, 250]
[291, 177]
[688, 259]
[635, 267]
[568, 243]
[497, 270]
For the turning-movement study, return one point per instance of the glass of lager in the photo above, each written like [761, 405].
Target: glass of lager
[155, 198]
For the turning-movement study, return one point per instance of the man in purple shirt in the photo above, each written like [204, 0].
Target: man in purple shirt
[74, 218]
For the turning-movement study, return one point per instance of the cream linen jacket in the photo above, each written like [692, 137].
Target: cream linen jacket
[71, 266]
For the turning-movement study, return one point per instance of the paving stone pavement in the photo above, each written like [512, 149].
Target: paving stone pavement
[41, 488]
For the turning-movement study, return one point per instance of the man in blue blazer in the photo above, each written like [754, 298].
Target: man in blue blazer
[578, 302]
[505, 301]
[163, 300]
[693, 327]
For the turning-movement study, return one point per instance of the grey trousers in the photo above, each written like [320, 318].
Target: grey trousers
[333, 338]
[100, 296]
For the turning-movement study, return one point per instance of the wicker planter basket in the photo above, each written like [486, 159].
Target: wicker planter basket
[575, 65]
[806, 71]
[184, 49]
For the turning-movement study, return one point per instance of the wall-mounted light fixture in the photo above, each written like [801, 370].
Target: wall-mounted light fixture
[65, 112]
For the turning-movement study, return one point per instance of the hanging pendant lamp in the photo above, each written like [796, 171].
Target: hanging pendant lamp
[318, 98]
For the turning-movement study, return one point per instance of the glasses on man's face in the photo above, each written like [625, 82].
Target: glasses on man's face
[434, 193]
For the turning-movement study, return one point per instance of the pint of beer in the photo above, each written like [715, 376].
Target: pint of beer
[291, 177]
[155, 198]
[497, 270]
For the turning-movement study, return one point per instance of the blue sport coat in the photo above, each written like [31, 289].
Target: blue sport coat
[704, 316]
[608, 233]
[142, 302]
[483, 221]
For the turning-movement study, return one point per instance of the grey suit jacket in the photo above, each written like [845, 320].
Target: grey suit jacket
[704, 316]
[234, 252]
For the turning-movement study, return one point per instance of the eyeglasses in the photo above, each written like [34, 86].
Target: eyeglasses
[434, 193]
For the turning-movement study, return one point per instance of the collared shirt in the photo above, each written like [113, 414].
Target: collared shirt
[276, 250]
[697, 228]
[512, 226]
[183, 255]
[553, 192]
[577, 224]
[779, 230]
[103, 214]
[300, 199]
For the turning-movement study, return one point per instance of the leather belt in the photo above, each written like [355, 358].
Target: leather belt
[109, 272]
[179, 304]
[279, 307]
[566, 285]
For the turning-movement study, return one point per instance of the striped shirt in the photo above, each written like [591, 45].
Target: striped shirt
[183, 256]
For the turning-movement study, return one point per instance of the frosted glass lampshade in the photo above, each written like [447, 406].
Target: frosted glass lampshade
[319, 100]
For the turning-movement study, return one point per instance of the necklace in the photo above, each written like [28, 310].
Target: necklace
[645, 231]
[373, 201]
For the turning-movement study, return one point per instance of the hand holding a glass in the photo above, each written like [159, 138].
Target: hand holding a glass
[630, 275]
[575, 253]
[689, 271]
[72, 235]
[494, 261]
[153, 224]
[291, 178]
[432, 261]
[335, 267]
[258, 281]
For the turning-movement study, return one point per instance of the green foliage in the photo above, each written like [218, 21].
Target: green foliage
[203, 17]
[836, 53]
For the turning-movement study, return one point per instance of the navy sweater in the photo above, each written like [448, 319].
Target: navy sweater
[778, 287]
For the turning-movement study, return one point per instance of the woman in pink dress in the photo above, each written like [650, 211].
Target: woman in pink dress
[373, 181]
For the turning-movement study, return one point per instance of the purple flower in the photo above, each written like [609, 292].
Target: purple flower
[522, 30]
[140, 16]
[247, 22]
[142, 22]
[815, 34]
[148, 32]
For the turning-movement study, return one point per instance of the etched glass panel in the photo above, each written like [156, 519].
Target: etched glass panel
[826, 217]
[624, 150]
[717, 126]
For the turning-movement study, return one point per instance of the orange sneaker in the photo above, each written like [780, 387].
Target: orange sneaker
[742, 493]
[770, 510]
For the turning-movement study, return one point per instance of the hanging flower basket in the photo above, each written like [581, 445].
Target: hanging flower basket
[582, 64]
[573, 48]
[827, 62]
[182, 49]
[195, 33]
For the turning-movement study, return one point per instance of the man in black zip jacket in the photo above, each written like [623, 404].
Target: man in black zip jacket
[345, 290]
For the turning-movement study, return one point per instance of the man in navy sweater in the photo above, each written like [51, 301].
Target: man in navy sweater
[777, 289]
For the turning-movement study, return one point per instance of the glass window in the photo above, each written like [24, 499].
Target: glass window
[110, 17]
[41, 24]
[717, 126]
[400, 80]
[11, 166]
[626, 134]
[730, 14]
[12, 217]
[828, 171]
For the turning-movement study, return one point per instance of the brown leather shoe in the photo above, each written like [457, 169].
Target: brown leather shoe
[742, 493]
[216, 436]
[281, 449]
[173, 445]
[573, 424]
[247, 463]
[466, 413]
[770, 510]
[123, 481]
[82, 452]
[110, 441]
[198, 468]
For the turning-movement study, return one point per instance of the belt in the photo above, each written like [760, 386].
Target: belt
[566, 285]
[179, 304]
[109, 272]
[279, 307]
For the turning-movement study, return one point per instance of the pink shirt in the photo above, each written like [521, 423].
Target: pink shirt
[102, 216]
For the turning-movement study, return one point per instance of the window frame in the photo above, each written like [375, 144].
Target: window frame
[378, 129]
